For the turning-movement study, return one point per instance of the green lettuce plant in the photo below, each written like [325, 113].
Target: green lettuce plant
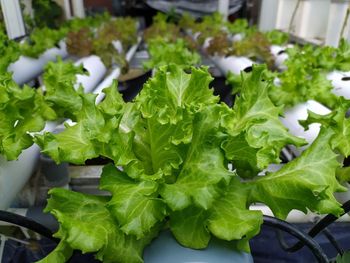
[163, 53]
[99, 41]
[25, 110]
[169, 151]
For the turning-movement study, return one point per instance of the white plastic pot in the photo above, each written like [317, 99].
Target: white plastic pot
[94, 65]
[341, 83]
[232, 63]
[15, 174]
[300, 112]
[279, 56]
[166, 249]
[26, 68]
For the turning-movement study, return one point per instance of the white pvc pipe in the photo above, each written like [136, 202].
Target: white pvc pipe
[26, 68]
[300, 112]
[96, 69]
[15, 174]
[223, 7]
[341, 83]
[232, 63]
[78, 8]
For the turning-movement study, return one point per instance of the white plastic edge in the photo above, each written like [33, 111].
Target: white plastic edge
[26, 68]
[341, 83]
[300, 112]
[232, 63]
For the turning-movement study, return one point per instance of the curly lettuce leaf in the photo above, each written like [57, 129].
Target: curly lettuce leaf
[21, 113]
[40, 40]
[78, 142]
[338, 122]
[173, 91]
[204, 170]
[305, 77]
[257, 135]
[59, 79]
[230, 217]
[307, 182]
[87, 224]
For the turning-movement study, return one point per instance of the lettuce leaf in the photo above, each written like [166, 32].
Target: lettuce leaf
[307, 182]
[257, 135]
[87, 224]
[338, 122]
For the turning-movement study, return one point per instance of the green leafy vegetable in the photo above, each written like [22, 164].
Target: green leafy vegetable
[163, 53]
[170, 149]
[336, 121]
[257, 134]
[40, 40]
[276, 37]
[20, 114]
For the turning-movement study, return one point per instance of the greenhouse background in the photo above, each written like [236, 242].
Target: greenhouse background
[174, 131]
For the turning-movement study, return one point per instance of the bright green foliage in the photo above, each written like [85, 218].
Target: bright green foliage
[59, 80]
[143, 209]
[40, 40]
[241, 26]
[25, 110]
[230, 217]
[21, 112]
[161, 28]
[256, 133]
[305, 77]
[45, 38]
[312, 176]
[88, 225]
[163, 53]
[171, 148]
[277, 37]
[9, 52]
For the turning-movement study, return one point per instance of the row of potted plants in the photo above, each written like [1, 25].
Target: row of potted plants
[169, 153]
[15, 135]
